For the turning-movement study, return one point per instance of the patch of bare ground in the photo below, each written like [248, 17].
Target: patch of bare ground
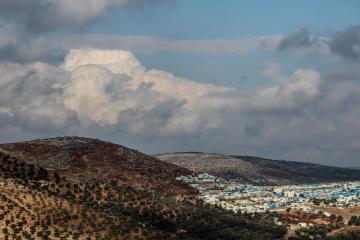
[344, 229]
[346, 213]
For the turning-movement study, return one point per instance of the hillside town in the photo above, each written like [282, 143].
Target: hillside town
[251, 198]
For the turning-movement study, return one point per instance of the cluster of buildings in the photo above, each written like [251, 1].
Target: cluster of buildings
[251, 198]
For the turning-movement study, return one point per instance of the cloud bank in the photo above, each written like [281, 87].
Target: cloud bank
[109, 94]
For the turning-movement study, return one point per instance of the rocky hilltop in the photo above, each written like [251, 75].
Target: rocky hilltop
[86, 159]
[257, 170]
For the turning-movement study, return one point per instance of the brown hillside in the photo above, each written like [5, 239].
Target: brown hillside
[86, 159]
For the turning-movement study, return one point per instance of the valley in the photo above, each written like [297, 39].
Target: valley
[82, 188]
[76, 188]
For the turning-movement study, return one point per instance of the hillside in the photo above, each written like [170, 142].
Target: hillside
[259, 170]
[41, 197]
[86, 159]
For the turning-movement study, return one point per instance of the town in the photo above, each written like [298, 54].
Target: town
[251, 198]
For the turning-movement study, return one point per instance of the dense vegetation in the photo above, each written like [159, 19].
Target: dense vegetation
[40, 204]
[354, 221]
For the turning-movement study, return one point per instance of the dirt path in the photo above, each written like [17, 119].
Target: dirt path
[344, 230]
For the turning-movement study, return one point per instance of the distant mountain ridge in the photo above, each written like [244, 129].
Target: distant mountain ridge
[256, 170]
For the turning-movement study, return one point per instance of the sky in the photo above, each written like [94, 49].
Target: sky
[276, 79]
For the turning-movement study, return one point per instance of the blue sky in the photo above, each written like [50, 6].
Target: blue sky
[229, 19]
[204, 19]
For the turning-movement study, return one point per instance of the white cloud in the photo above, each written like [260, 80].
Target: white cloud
[110, 94]
[118, 62]
[292, 91]
[109, 87]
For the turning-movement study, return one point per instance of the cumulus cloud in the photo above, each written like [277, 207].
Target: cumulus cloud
[118, 62]
[104, 85]
[30, 96]
[109, 94]
[108, 88]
